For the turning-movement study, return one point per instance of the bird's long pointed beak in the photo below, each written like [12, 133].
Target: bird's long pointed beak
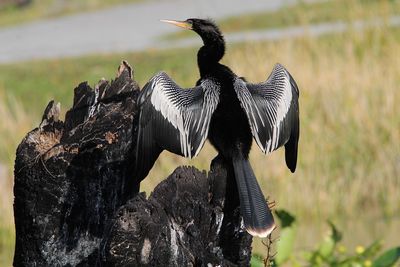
[182, 24]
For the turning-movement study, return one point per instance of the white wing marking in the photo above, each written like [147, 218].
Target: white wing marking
[276, 108]
[281, 109]
[175, 114]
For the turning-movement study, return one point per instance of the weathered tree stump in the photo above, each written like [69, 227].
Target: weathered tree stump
[77, 203]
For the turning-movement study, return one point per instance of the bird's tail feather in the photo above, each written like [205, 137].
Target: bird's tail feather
[257, 216]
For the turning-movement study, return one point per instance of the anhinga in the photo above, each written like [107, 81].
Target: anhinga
[228, 111]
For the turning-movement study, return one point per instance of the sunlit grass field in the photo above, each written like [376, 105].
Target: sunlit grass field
[349, 155]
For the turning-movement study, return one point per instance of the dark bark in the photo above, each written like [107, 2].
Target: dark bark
[76, 202]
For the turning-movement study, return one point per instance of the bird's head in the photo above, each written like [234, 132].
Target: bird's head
[206, 28]
[214, 44]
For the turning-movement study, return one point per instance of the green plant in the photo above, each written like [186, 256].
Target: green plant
[329, 252]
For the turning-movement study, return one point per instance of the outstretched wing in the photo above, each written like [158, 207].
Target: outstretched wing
[272, 109]
[173, 118]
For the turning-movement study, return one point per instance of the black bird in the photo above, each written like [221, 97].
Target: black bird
[228, 111]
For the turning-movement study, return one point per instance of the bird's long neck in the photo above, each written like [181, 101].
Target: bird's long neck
[210, 53]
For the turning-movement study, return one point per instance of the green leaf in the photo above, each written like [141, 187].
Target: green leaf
[256, 261]
[327, 247]
[285, 243]
[373, 249]
[286, 219]
[388, 258]
[336, 235]
[284, 246]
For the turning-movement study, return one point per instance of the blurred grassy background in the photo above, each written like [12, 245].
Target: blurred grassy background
[20, 11]
[303, 14]
[349, 161]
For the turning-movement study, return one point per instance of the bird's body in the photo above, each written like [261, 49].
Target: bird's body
[229, 116]
[229, 112]
[229, 131]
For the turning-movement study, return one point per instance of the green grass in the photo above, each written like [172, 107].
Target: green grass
[348, 167]
[303, 13]
[41, 9]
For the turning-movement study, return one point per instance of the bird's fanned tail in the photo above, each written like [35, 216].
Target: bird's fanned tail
[257, 216]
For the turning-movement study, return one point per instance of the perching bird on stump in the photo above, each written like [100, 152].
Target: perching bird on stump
[228, 111]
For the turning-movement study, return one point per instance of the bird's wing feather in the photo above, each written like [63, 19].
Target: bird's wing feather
[272, 109]
[173, 118]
